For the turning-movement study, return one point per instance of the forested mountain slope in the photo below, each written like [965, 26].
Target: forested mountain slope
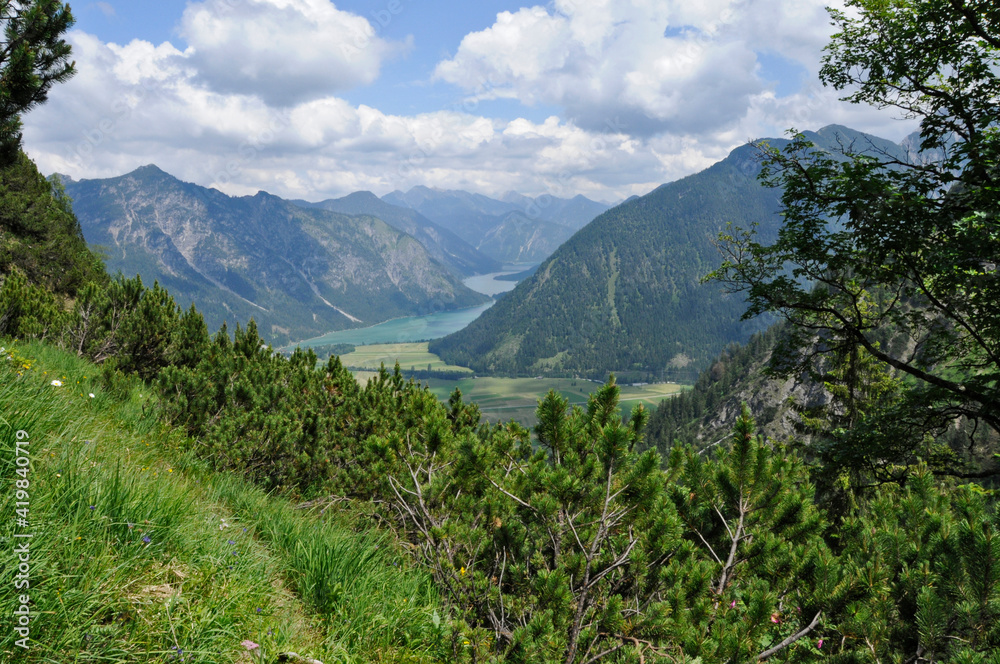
[299, 272]
[625, 293]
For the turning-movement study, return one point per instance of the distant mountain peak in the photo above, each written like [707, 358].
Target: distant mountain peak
[361, 196]
[150, 169]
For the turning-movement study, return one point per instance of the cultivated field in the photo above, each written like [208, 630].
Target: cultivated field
[500, 399]
[503, 399]
[410, 356]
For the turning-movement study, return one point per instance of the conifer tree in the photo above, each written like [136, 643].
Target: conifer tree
[33, 57]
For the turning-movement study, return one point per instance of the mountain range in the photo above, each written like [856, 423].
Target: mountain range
[464, 259]
[299, 271]
[512, 229]
[625, 293]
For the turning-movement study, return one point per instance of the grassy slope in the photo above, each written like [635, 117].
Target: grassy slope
[139, 554]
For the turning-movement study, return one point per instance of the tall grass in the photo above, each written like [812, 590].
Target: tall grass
[356, 581]
[137, 557]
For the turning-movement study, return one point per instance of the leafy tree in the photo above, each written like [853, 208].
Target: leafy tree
[33, 56]
[874, 241]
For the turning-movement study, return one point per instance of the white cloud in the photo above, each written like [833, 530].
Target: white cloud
[285, 51]
[137, 104]
[106, 9]
[658, 67]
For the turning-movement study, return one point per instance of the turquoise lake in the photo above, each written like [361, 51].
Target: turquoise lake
[422, 328]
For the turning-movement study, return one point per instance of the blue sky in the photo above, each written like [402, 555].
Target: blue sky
[313, 98]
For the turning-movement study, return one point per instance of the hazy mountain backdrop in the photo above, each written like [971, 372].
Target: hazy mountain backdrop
[300, 272]
[516, 229]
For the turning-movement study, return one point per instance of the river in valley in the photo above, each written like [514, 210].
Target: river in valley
[423, 328]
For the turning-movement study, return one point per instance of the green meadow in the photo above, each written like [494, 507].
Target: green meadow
[499, 399]
[409, 355]
[504, 399]
[139, 553]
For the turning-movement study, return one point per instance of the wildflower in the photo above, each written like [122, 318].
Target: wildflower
[819, 644]
[258, 609]
[91, 395]
[249, 645]
[733, 605]
[775, 618]
[56, 383]
[93, 507]
[145, 538]
[462, 571]
[230, 542]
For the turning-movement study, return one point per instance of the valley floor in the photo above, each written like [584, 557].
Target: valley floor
[499, 399]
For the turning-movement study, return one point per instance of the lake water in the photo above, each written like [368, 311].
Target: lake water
[422, 328]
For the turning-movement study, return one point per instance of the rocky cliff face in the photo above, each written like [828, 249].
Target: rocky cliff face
[299, 272]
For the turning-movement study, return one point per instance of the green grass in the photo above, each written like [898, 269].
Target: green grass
[140, 554]
[409, 355]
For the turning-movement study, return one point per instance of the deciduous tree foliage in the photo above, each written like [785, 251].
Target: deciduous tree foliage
[873, 242]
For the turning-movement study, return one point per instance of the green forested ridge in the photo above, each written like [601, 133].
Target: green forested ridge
[624, 293]
[298, 272]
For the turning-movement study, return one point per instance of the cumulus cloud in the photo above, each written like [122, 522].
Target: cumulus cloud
[658, 67]
[139, 103]
[285, 51]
